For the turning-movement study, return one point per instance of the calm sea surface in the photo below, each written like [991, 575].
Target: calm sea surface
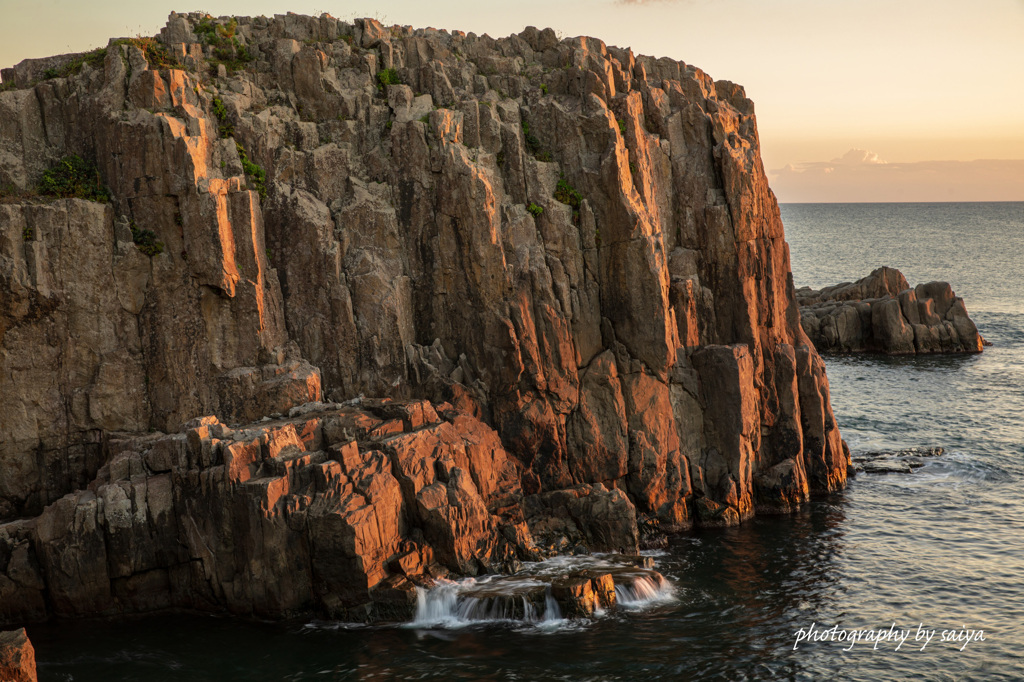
[942, 548]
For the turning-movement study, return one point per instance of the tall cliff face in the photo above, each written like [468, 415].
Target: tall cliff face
[572, 243]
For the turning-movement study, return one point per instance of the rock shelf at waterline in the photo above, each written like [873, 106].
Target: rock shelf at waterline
[904, 461]
[545, 593]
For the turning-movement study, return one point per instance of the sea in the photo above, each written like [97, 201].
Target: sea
[901, 576]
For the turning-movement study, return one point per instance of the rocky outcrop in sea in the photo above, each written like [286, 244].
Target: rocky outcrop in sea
[300, 314]
[882, 313]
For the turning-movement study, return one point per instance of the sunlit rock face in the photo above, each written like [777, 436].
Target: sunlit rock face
[571, 246]
[17, 657]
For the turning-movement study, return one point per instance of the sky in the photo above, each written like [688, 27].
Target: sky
[856, 100]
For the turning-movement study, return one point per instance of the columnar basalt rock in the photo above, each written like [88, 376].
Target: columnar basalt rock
[338, 510]
[881, 313]
[570, 243]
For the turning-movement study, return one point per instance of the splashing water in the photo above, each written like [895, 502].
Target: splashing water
[527, 597]
[455, 604]
[644, 591]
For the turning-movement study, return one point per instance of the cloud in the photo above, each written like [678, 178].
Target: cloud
[658, 2]
[860, 175]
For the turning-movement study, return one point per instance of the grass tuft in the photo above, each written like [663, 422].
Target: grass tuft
[388, 77]
[253, 172]
[146, 241]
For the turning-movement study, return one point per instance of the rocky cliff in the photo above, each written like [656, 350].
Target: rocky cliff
[560, 243]
[882, 313]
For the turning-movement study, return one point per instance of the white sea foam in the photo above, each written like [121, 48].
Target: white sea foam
[526, 598]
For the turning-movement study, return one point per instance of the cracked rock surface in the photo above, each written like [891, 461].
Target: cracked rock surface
[555, 268]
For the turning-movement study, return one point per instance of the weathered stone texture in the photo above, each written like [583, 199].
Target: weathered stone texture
[570, 243]
[276, 518]
[881, 313]
[17, 657]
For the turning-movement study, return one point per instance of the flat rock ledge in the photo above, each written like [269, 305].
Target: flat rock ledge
[881, 313]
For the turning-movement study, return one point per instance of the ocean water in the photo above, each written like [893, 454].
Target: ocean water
[938, 550]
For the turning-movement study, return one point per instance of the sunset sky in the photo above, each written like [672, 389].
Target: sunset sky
[865, 100]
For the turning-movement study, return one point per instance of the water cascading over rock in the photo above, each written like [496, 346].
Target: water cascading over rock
[555, 266]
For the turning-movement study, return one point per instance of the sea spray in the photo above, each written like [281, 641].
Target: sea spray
[527, 597]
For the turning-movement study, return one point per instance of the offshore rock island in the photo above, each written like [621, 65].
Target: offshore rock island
[882, 313]
[352, 308]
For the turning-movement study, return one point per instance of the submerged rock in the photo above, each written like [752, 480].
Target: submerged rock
[881, 313]
[555, 266]
[895, 461]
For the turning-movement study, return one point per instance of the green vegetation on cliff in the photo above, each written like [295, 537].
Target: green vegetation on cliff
[74, 177]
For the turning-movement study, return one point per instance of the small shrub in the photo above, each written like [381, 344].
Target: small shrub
[501, 158]
[597, 237]
[387, 126]
[544, 88]
[388, 77]
[232, 54]
[253, 171]
[227, 48]
[531, 141]
[622, 125]
[146, 241]
[534, 209]
[227, 30]
[567, 194]
[212, 33]
[94, 59]
[73, 177]
[224, 126]
[632, 168]
[349, 39]
[51, 73]
[154, 51]
[28, 234]
[425, 118]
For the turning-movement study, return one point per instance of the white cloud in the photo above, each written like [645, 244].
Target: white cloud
[860, 175]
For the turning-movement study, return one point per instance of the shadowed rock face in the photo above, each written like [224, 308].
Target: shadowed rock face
[572, 244]
[881, 313]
